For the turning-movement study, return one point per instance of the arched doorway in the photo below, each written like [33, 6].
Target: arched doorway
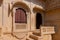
[38, 20]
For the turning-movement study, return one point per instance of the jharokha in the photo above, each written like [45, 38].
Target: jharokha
[29, 19]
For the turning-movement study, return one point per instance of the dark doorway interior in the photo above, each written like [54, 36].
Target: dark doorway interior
[38, 20]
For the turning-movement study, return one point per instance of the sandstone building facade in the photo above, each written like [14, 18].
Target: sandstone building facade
[29, 19]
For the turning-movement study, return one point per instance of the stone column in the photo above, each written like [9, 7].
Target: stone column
[1, 15]
[33, 21]
[42, 18]
[28, 21]
[7, 20]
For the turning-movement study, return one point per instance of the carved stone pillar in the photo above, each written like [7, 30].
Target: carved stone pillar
[28, 21]
[33, 21]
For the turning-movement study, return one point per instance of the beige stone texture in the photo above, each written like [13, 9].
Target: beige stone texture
[53, 18]
[49, 9]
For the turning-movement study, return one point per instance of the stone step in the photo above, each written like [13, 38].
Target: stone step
[35, 37]
[37, 32]
[29, 39]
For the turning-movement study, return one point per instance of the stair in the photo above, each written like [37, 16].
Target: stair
[35, 35]
[29, 39]
[37, 32]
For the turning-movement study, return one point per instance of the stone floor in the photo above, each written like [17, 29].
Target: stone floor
[8, 37]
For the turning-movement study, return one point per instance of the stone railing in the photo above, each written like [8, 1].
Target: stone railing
[46, 32]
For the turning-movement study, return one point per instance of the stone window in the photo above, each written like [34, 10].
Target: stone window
[20, 16]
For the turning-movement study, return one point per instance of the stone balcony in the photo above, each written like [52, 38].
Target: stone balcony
[45, 33]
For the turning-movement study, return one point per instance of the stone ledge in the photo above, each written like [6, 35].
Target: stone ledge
[47, 30]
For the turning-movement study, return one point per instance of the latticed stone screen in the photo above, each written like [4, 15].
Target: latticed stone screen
[20, 16]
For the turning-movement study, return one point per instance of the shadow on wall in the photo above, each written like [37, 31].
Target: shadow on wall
[37, 2]
[1, 1]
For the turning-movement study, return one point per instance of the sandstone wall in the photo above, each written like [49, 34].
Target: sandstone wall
[52, 17]
[52, 4]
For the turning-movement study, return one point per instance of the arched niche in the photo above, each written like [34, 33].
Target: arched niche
[39, 13]
[20, 26]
